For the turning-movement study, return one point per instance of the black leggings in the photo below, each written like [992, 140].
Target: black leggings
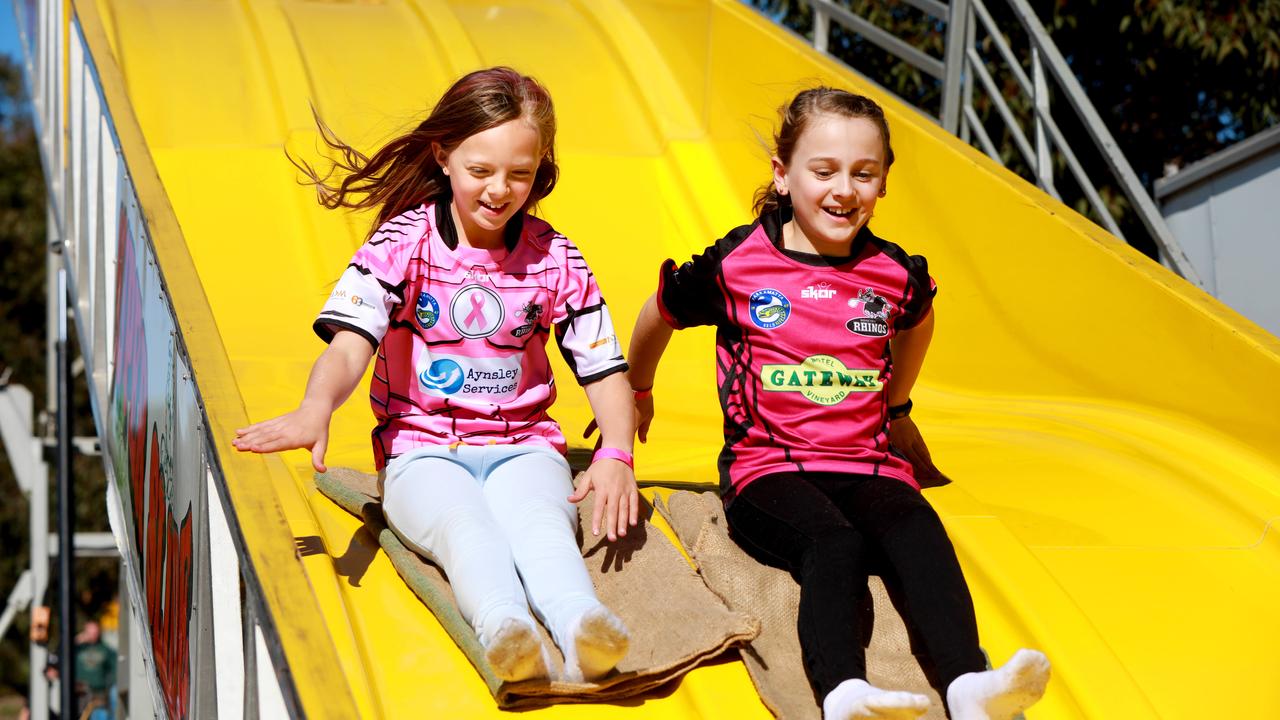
[832, 530]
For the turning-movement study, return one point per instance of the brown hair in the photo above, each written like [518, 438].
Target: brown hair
[404, 173]
[796, 116]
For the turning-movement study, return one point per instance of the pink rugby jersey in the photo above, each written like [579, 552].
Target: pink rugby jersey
[802, 348]
[460, 333]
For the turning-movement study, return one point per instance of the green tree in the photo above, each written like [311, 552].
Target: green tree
[1174, 81]
[22, 355]
[22, 196]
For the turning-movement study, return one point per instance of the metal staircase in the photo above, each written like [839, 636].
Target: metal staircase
[978, 59]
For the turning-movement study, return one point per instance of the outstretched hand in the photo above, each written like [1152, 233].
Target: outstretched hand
[617, 497]
[906, 438]
[306, 427]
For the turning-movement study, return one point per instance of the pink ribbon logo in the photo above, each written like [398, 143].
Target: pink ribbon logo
[476, 316]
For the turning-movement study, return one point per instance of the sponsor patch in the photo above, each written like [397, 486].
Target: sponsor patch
[820, 291]
[602, 341]
[486, 379]
[427, 311]
[442, 377]
[821, 378]
[769, 308]
[874, 321]
[476, 312]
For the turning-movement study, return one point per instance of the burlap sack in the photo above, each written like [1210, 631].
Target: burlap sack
[773, 658]
[674, 620]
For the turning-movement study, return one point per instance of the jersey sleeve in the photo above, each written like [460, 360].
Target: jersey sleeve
[688, 294]
[583, 327]
[921, 289]
[372, 286]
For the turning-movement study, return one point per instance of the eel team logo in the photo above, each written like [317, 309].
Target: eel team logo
[821, 378]
[875, 315]
[427, 311]
[820, 291]
[442, 377]
[769, 308]
[476, 312]
[531, 312]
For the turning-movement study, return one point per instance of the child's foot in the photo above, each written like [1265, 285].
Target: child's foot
[1002, 693]
[598, 641]
[515, 653]
[859, 700]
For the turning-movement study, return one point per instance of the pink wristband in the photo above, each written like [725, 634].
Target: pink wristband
[615, 454]
[645, 393]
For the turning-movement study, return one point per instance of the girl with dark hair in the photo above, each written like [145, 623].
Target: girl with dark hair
[822, 328]
[456, 291]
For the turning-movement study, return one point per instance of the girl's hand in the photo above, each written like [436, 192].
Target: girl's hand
[617, 497]
[906, 438]
[306, 427]
[644, 415]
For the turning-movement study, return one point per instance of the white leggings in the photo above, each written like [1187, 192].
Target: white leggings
[486, 513]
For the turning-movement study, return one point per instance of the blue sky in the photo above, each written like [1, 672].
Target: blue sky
[9, 44]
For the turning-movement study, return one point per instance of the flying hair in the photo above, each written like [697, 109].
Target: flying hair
[404, 174]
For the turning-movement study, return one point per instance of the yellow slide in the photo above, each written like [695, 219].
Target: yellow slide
[1113, 434]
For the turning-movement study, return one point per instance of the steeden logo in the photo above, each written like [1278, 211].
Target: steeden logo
[821, 378]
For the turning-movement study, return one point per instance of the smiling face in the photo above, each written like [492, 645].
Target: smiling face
[834, 177]
[491, 174]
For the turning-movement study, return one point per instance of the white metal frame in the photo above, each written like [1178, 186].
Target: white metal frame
[968, 21]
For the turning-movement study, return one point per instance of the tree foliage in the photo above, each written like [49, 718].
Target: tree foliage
[1174, 81]
[22, 356]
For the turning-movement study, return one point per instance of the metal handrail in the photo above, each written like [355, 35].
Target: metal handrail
[962, 64]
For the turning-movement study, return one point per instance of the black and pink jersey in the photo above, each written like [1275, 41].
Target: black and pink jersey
[461, 332]
[802, 348]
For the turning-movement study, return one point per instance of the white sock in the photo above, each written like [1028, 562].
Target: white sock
[859, 700]
[1002, 693]
[515, 652]
[596, 641]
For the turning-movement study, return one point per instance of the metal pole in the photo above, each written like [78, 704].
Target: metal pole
[1044, 161]
[38, 654]
[957, 31]
[821, 28]
[66, 518]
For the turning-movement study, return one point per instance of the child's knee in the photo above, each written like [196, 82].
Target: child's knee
[838, 549]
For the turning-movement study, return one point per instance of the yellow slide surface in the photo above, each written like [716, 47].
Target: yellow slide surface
[1113, 434]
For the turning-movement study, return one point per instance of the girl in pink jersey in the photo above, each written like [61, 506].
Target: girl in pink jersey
[454, 294]
[822, 329]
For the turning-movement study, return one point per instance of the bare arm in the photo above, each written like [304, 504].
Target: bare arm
[648, 342]
[909, 349]
[617, 498]
[333, 376]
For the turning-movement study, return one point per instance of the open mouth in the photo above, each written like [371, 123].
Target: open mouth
[494, 209]
[837, 212]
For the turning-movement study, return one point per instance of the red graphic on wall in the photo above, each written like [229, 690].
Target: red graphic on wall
[163, 545]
